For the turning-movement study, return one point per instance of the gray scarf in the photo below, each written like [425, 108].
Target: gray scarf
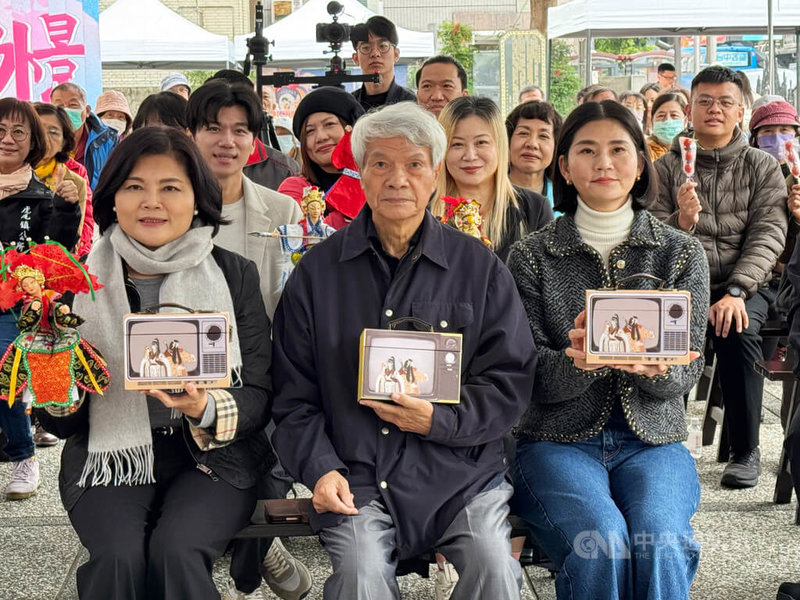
[120, 439]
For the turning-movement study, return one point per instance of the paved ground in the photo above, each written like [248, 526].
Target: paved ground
[749, 544]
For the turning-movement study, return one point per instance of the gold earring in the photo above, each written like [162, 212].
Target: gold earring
[638, 177]
[569, 182]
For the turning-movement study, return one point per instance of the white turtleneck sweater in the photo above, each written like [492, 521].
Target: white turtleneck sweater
[604, 231]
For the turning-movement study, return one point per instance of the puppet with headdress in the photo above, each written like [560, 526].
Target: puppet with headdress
[48, 361]
[346, 195]
[465, 215]
[297, 238]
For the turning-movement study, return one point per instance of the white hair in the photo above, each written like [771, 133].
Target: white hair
[404, 119]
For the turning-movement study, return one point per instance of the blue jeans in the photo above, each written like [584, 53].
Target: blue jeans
[612, 513]
[16, 425]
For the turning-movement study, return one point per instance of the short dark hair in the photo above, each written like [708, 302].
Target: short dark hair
[10, 108]
[666, 67]
[718, 74]
[379, 26]
[597, 90]
[650, 86]
[644, 189]
[67, 86]
[207, 100]
[151, 141]
[168, 107]
[530, 88]
[445, 59]
[68, 143]
[231, 76]
[535, 109]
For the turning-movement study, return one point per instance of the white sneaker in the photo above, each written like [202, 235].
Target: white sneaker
[24, 479]
[287, 577]
[231, 593]
[445, 580]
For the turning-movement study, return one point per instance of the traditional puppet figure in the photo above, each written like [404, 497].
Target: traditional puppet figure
[637, 334]
[388, 381]
[612, 339]
[154, 364]
[177, 358]
[412, 377]
[465, 215]
[297, 238]
[48, 361]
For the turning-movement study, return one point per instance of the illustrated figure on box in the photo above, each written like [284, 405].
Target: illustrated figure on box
[412, 377]
[48, 361]
[388, 381]
[465, 215]
[153, 363]
[297, 238]
[612, 339]
[637, 334]
[178, 357]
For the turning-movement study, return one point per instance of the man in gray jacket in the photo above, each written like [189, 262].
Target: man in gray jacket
[736, 205]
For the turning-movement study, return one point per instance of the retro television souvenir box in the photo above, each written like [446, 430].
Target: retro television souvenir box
[425, 365]
[637, 326]
[168, 350]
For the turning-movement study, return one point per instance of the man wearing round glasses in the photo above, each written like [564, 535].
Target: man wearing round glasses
[375, 45]
[735, 203]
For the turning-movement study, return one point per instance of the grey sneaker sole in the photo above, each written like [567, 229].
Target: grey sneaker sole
[20, 495]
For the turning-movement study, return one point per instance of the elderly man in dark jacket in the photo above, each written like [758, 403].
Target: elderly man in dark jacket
[391, 479]
[736, 205]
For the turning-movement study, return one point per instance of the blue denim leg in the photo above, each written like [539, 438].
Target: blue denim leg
[658, 491]
[16, 425]
[613, 513]
[562, 492]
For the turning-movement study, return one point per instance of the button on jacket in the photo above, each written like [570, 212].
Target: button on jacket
[344, 285]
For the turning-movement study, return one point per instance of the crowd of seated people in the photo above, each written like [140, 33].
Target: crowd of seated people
[181, 202]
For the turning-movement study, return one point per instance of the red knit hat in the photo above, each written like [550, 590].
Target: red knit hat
[775, 113]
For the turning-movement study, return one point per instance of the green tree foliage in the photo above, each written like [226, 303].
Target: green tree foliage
[564, 79]
[455, 39]
[198, 78]
[622, 45]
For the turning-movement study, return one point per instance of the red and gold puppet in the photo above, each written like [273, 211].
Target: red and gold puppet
[48, 361]
[465, 215]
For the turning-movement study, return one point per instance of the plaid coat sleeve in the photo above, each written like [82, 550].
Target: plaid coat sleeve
[223, 431]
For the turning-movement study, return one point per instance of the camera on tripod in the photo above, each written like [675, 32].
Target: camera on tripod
[334, 33]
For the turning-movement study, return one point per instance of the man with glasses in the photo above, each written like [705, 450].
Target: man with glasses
[375, 45]
[736, 205]
[666, 76]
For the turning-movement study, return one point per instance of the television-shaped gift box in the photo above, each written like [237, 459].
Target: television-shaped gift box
[421, 364]
[637, 326]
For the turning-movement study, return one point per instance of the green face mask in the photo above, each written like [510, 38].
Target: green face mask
[75, 117]
[666, 131]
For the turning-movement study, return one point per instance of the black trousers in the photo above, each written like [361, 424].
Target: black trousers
[158, 541]
[742, 387]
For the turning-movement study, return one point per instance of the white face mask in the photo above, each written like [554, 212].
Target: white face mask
[118, 124]
[286, 142]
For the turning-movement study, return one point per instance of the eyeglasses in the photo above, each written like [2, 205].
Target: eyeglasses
[18, 134]
[725, 103]
[383, 47]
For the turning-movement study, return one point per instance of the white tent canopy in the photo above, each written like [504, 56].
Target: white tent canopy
[146, 34]
[656, 18]
[295, 36]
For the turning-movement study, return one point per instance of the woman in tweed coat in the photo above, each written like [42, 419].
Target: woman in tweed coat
[601, 477]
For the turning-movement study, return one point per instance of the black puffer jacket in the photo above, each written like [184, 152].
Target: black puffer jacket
[744, 218]
[35, 213]
[241, 462]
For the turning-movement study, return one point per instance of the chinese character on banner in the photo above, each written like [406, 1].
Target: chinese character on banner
[47, 42]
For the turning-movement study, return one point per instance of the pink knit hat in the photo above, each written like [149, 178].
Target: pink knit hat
[113, 100]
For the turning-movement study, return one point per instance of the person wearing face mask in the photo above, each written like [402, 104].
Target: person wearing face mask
[771, 126]
[94, 140]
[113, 109]
[669, 119]
[636, 103]
[286, 140]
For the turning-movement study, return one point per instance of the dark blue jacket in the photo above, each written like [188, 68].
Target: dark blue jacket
[99, 144]
[344, 285]
[396, 93]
